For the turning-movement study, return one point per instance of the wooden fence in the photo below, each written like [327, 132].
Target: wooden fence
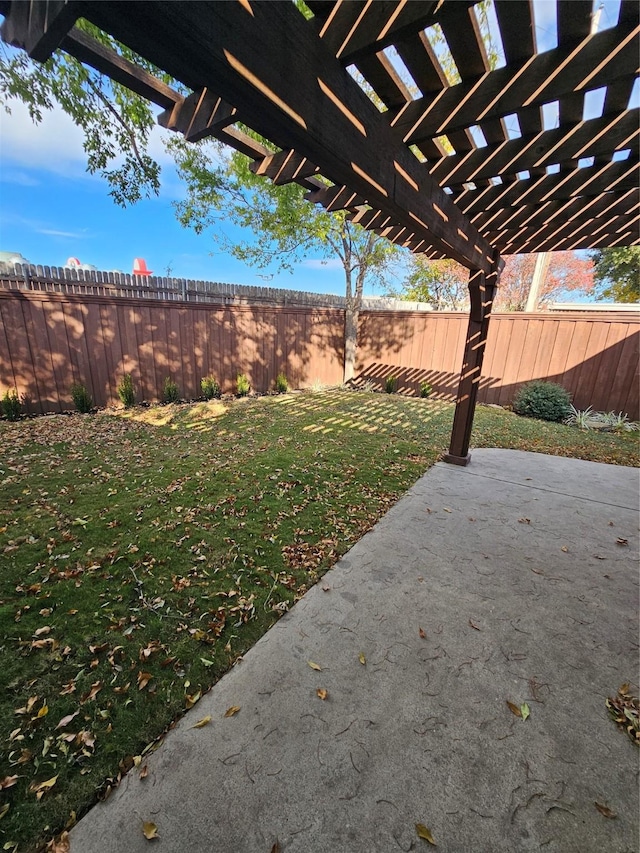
[595, 357]
[50, 339]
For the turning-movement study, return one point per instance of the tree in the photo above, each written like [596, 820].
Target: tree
[617, 273]
[284, 228]
[567, 272]
[116, 123]
[442, 284]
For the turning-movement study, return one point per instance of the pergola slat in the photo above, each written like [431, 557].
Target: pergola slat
[597, 61]
[591, 138]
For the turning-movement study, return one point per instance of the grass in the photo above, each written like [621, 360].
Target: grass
[143, 553]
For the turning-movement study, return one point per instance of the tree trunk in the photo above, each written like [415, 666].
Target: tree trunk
[350, 338]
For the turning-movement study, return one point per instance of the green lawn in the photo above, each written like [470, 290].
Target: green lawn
[141, 554]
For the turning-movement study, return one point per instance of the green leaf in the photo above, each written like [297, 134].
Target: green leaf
[524, 711]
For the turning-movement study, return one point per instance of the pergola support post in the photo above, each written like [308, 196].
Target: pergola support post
[482, 290]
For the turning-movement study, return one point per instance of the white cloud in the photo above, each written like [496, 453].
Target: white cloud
[52, 232]
[54, 145]
[322, 264]
[17, 176]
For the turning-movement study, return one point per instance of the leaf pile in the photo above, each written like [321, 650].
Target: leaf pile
[625, 711]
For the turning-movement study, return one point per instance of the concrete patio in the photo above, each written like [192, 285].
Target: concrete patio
[513, 579]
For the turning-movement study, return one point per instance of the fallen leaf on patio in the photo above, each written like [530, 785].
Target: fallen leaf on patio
[66, 720]
[422, 634]
[314, 666]
[473, 625]
[150, 830]
[144, 772]
[425, 833]
[524, 711]
[446, 509]
[8, 782]
[621, 541]
[604, 810]
[514, 709]
[202, 723]
[524, 521]
[325, 589]
[623, 690]
[362, 658]
[598, 557]
[321, 693]
[565, 549]
[276, 848]
[230, 712]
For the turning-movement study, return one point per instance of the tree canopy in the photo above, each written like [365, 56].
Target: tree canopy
[617, 274]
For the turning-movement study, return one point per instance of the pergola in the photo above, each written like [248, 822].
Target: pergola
[357, 95]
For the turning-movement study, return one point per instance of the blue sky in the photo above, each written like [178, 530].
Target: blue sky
[52, 209]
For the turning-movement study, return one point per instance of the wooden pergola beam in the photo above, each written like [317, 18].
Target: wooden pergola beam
[89, 51]
[596, 61]
[325, 116]
[38, 26]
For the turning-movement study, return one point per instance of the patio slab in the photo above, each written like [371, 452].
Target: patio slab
[499, 581]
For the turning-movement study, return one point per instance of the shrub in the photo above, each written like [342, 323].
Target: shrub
[242, 384]
[425, 389]
[543, 400]
[282, 384]
[390, 384]
[170, 392]
[81, 397]
[126, 391]
[11, 405]
[210, 387]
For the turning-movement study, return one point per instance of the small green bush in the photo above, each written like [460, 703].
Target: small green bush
[543, 400]
[11, 405]
[390, 384]
[425, 389]
[81, 397]
[170, 392]
[282, 384]
[126, 391]
[210, 387]
[242, 385]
